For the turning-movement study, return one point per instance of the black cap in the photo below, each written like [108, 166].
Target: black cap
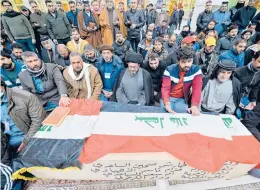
[45, 38]
[227, 65]
[24, 8]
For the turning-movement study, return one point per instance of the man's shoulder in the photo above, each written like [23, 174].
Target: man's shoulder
[23, 95]
[241, 70]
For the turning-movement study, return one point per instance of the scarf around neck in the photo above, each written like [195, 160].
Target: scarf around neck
[12, 14]
[37, 73]
[84, 73]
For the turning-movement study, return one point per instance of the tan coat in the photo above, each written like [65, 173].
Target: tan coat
[72, 46]
[78, 89]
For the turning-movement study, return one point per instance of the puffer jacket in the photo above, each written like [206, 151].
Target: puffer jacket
[234, 56]
[26, 111]
[135, 17]
[203, 20]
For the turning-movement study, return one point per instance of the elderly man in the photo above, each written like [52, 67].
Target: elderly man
[227, 96]
[107, 19]
[90, 55]
[207, 58]
[62, 58]
[17, 27]
[171, 45]
[45, 81]
[177, 82]
[134, 84]
[76, 44]
[17, 51]
[109, 67]
[22, 114]
[10, 70]
[134, 21]
[49, 50]
[205, 17]
[82, 79]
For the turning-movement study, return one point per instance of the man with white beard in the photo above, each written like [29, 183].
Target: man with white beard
[134, 84]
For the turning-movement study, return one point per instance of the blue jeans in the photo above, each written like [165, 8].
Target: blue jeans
[177, 104]
[240, 112]
[27, 45]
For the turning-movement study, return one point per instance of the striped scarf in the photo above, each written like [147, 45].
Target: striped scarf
[37, 73]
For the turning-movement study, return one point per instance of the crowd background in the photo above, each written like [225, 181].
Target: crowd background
[114, 51]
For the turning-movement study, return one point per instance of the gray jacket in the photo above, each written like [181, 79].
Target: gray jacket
[135, 17]
[26, 111]
[200, 56]
[39, 18]
[203, 20]
[58, 27]
[53, 83]
[224, 44]
[17, 27]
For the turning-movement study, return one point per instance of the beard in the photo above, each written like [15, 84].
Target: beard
[7, 66]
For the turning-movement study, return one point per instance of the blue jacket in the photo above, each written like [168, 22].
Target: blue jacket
[117, 68]
[220, 18]
[73, 18]
[232, 55]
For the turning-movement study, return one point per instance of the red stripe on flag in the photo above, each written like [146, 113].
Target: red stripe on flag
[85, 107]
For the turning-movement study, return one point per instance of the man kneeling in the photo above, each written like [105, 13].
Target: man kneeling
[82, 79]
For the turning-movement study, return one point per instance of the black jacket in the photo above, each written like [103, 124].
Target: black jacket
[243, 16]
[250, 82]
[135, 17]
[172, 59]
[203, 20]
[174, 19]
[156, 74]
[181, 14]
[148, 87]
[121, 49]
[252, 121]
[257, 19]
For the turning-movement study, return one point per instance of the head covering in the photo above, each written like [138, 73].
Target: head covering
[106, 47]
[226, 65]
[246, 31]
[224, 2]
[45, 38]
[211, 41]
[24, 8]
[134, 58]
[188, 40]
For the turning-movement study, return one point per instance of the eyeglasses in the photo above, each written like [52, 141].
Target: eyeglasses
[7, 5]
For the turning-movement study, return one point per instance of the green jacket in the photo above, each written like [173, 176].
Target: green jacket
[39, 18]
[26, 111]
[17, 27]
[58, 27]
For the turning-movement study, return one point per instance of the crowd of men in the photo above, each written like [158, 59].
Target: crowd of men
[95, 51]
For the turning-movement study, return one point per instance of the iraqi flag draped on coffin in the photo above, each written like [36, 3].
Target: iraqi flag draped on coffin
[94, 145]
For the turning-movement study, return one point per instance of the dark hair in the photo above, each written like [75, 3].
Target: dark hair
[6, 1]
[158, 39]
[238, 41]
[71, 2]
[5, 54]
[16, 46]
[256, 38]
[93, 1]
[58, 2]
[48, 1]
[85, 2]
[31, 2]
[185, 53]
[148, 31]
[185, 26]
[164, 21]
[75, 29]
[3, 36]
[212, 21]
[256, 55]
[153, 56]
[232, 27]
[207, 32]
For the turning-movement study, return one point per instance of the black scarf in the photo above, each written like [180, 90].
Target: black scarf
[12, 14]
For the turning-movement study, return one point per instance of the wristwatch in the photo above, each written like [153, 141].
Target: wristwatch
[64, 95]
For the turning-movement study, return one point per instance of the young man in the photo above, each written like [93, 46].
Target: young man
[236, 54]
[76, 44]
[207, 58]
[82, 79]
[171, 44]
[244, 15]
[162, 16]
[134, 21]
[59, 7]
[240, 4]
[45, 81]
[184, 33]
[134, 84]
[181, 14]
[10, 70]
[249, 76]
[177, 81]
[88, 23]
[146, 44]
[80, 6]
[205, 17]
[156, 69]
[91, 55]
[17, 51]
[222, 18]
[226, 43]
[251, 50]
[162, 29]
[72, 15]
[227, 96]
[151, 14]
[18, 28]
[49, 50]
[58, 26]
[62, 59]
[174, 19]
[158, 49]
[246, 35]
[109, 67]
[121, 46]
[121, 15]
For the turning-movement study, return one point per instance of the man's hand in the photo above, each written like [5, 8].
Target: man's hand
[250, 106]
[33, 41]
[133, 26]
[194, 110]
[55, 42]
[64, 101]
[107, 94]
[20, 147]
[169, 108]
